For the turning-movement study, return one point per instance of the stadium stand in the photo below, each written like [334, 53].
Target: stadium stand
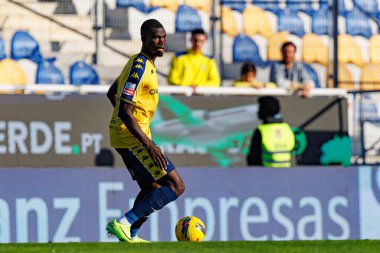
[313, 74]
[357, 24]
[82, 73]
[346, 80]
[204, 5]
[319, 23]
[23, 45]
[3, 53]
[370, 7]
[290, 21]
[256, 21]
[246, 50]
[274, 44]
[30, 69]
[168, 4]
[12, 73]
[272, 6]
[48, 73]
[229, 24]
[297, 5]
[187, 19]
[349, 50]
[237, 5]
[314, 49]
[137, 4]
[374, 49]
[370, 77]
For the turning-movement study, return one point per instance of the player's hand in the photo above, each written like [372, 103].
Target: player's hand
[158, 156]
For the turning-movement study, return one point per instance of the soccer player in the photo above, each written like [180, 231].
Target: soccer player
[134, 96]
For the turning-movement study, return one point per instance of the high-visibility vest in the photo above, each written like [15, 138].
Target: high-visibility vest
[277, 144]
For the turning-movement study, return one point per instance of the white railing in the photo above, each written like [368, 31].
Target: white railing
[88, 89]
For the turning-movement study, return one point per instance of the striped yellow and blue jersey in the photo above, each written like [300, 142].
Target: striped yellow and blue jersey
[138, 85]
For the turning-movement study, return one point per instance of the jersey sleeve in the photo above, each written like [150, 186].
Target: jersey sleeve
[133, 80]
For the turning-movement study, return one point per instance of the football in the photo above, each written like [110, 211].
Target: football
[190, 228]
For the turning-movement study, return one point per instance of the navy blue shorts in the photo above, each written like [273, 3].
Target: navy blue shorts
[141, 165]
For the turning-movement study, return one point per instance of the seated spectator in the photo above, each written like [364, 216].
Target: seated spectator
[247, 79]
[192, 67]
[290, 74]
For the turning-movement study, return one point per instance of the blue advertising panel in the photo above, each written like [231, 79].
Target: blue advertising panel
[305, 203]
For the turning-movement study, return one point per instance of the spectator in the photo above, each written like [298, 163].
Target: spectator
[192, 67]
[290, 74]
[273, 140]
[247, 79]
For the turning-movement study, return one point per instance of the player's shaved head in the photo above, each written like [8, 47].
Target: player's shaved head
[148, 25]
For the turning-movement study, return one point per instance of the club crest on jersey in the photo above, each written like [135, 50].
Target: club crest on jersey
[129, 89]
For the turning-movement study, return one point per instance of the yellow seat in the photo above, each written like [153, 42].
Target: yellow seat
[168, 4]
[349, 50]
[204, 5]
[345, 78]
[374, 49]
[314, 50]
[370, 77]
[11, 73]
[229, 25]
[275, 42]
[256, 21]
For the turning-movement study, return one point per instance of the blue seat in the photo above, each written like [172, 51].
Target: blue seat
[357, 23]
[48, 73]
[187, 19]
[82, 73]
[237, 5]
[319, 22]
[297, 5]
[289, 21]
[3, 53]
[272, 6]
[313, 74]
[24, 46]
[138, 4]
[245, 49]
[367, 6]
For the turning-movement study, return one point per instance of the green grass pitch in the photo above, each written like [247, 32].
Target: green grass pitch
[365, 246]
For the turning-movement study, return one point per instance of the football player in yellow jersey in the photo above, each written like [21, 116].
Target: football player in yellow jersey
[134, 96]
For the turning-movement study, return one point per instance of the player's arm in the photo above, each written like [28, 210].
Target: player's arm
[126, 114]
[112, 93]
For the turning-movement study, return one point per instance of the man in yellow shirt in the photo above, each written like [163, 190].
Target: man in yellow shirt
[134, 96]
[192, 67]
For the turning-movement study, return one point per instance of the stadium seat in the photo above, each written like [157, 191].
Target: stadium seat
[290, 21]
[23, 45]
[370, 77]
[370, 7]
[374, 49]
[48, 73]
[345, 78]
[204, 5]
[319, 22]
[82, 73]
[256, 21]
[297, 5]
[30, 69]
[245, 49]
[272, 6]
[3, 53]
[187, 19]
[314, 50]
[137, 4]
[357, 23]
[168, 4]
[12, 73]
[275, 42]
[349, 50]
[237, 5]
[229, 24]
[313, 74]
